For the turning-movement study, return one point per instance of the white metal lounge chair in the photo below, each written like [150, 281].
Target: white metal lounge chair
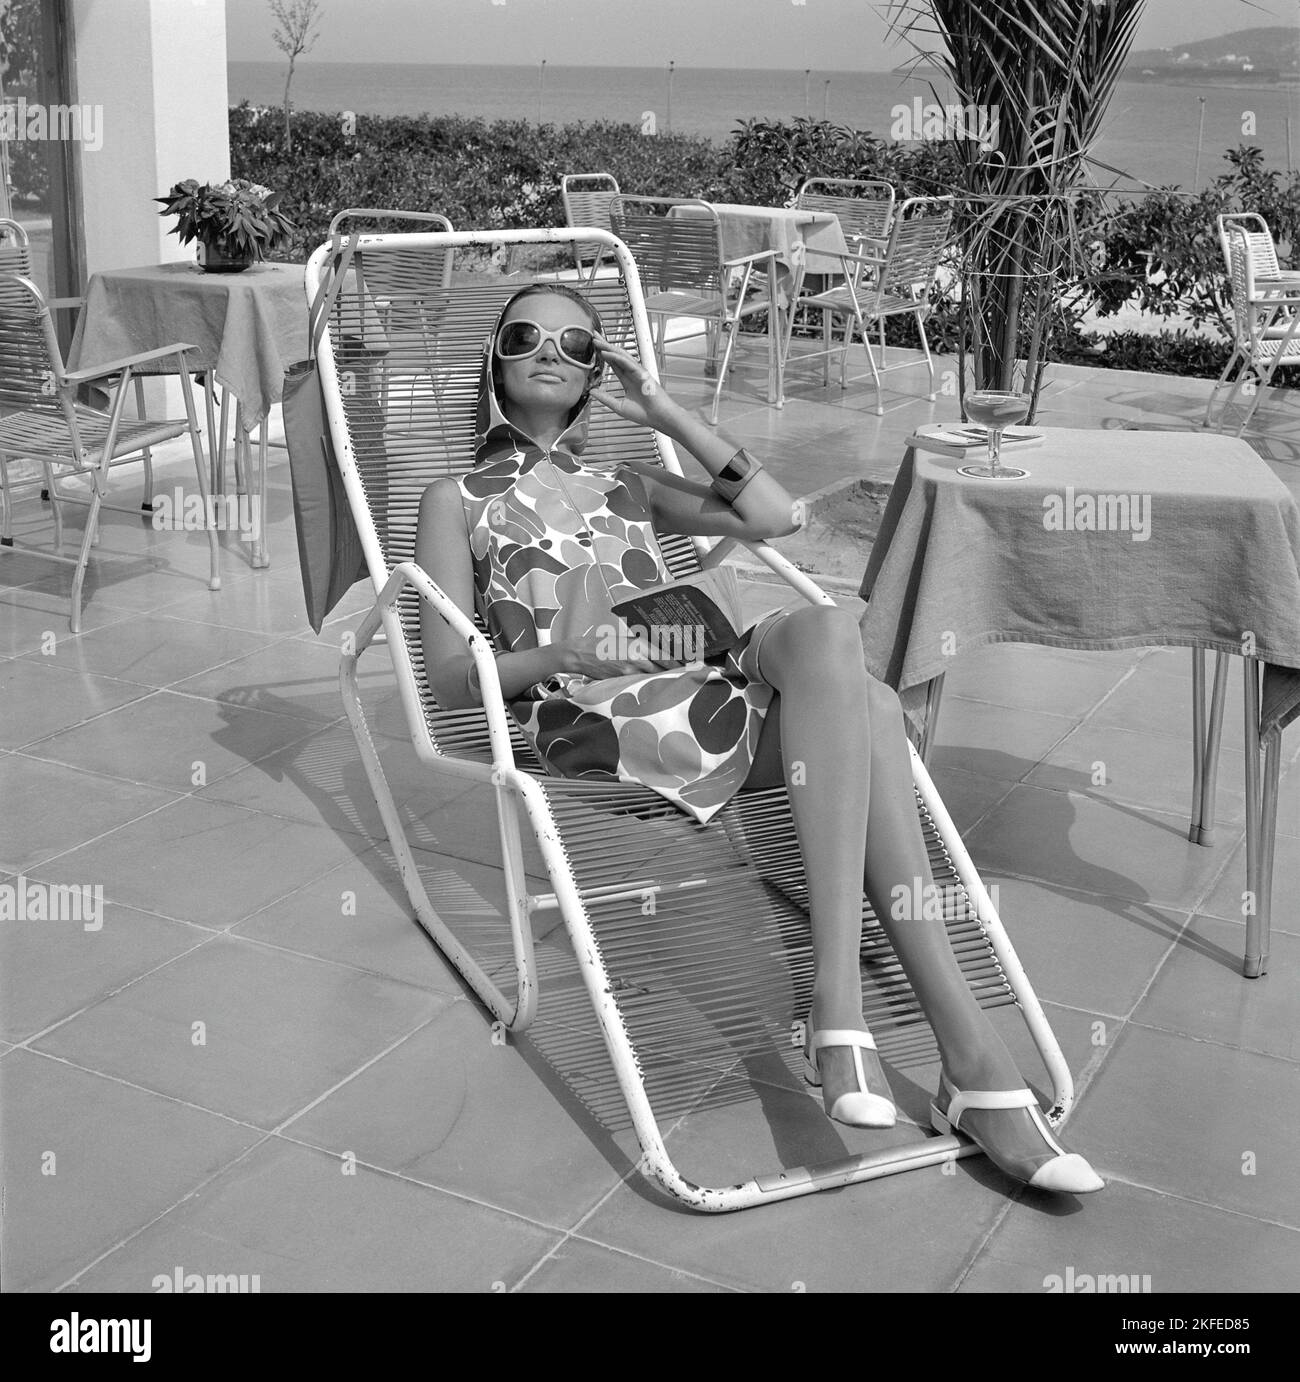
[684, 948]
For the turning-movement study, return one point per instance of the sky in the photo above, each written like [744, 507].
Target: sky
[834, 35]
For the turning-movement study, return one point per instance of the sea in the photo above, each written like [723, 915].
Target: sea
[1151, 133]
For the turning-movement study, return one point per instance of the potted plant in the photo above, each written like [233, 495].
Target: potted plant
[235, 222]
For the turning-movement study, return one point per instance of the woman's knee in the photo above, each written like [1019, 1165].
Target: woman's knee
[820, 638]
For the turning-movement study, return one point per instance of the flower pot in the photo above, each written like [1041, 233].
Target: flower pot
[216, 257]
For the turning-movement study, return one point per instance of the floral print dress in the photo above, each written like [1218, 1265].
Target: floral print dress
[555, 544]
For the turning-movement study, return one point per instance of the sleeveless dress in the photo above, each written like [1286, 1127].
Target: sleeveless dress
[555, 543]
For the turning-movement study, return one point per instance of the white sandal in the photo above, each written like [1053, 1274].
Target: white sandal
[859, 1108]
[1067, 1172]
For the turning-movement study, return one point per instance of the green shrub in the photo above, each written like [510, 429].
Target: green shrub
[1160, 250]
[478, 174]
[1180, 352]
[1163, 251]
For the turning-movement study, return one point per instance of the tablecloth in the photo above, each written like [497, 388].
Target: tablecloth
[249, 327]
[796, 236]
[1117, 539]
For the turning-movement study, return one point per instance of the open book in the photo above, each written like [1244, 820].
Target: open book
[691, 619]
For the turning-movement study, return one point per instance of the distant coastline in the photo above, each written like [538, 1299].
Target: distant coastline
[1243, 81]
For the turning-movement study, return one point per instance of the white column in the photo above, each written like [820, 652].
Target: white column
[156, 69]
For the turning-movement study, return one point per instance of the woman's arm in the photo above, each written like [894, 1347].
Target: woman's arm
[442, 552]
[763, 509]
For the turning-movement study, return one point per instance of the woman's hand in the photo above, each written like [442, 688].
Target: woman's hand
[588, 656]
[646, 401]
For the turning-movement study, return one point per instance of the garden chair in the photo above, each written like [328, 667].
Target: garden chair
[865, 209]
[684, 948]
[1259, 239]
[1266, 322]
[586, 198]
[42, 421]
[684, 272]
[883, 283]
[1263, 258]
[16, 258]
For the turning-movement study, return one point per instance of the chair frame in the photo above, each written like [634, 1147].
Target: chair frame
[726, 280]
[872, 292]
[61, 447]
[517, 790]
[588, 206]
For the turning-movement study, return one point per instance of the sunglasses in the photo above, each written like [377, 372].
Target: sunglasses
[520, 339]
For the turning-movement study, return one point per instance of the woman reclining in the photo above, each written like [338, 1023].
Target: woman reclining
[544, 546]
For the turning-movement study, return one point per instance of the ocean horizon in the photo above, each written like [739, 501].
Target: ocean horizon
[1151, 130]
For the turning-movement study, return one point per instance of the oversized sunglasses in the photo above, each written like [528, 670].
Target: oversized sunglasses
[520, 339]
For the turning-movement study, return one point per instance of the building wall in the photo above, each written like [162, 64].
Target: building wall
[158, 70]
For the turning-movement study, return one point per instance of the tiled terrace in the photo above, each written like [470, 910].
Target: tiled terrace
[188, 751]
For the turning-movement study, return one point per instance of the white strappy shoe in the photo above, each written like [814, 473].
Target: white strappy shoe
[859, 1108]
[1067, 1172]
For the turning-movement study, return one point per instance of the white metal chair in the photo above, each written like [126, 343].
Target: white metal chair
[879, 284]
[40, 420]
[586, 198]
[1266, 322]
[677, 245]
[16, 258]
[864, 208]
[684, 948]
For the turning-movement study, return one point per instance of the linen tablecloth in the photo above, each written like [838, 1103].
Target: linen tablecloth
[249, 327]
[1198, 545]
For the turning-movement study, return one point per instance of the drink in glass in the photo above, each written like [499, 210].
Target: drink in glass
[996, 409]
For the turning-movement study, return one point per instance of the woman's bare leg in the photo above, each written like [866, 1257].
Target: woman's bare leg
[818, 735]
[843, 750]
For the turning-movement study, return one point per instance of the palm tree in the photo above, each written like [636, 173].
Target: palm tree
[1044, 72]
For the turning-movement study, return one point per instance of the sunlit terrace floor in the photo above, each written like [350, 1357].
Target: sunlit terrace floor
[188, 751]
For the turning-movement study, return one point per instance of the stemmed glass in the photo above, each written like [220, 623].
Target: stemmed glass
[996, 409]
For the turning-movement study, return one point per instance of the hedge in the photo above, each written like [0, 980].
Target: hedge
[506, 173]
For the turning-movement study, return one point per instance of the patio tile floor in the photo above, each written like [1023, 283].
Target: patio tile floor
[347, 1120]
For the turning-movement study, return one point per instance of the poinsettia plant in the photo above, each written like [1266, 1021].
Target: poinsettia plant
[243, 215]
